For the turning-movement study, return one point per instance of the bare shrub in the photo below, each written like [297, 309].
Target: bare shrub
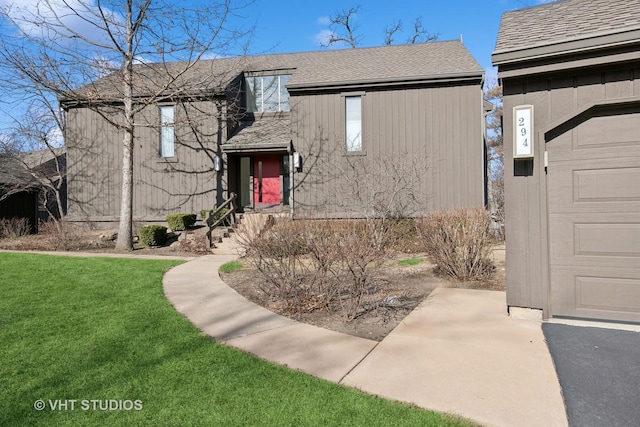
[14, 227]
[291, 278]
[250, 229]
[360, 254]
[459, 242]
[62, 236]
[318, 264]
[402, 237]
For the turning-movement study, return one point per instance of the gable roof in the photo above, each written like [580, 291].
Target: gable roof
[13, 174]
[395, 64]
[385, 64]
[18, 169]
[566, 25]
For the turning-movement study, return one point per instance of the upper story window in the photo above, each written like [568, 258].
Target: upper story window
[167, 132]
[353, 119]
[267, 93]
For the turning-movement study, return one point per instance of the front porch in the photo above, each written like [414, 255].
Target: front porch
[261, 181]
[259, 157]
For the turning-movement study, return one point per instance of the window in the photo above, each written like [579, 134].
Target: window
[353, 118]
[267, 93]
[167, 135]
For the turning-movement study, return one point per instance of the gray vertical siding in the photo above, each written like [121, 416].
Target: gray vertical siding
[186, 183]
[554, 96]
[438, 129]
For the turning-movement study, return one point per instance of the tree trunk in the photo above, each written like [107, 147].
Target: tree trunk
[125, 230]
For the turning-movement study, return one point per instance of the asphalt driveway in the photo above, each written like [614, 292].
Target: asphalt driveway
[599, 372]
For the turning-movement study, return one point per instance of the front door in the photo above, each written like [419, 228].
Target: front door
[266, 181]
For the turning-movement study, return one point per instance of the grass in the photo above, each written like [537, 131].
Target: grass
[231, 266]
[410, 261]
[100, 329]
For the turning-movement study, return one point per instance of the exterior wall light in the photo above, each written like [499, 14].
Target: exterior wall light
[217, 164]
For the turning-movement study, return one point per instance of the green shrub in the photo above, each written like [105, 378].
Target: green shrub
[204, 214]
[181, 221]
[153, 235]
[220, 214]
[459, 242]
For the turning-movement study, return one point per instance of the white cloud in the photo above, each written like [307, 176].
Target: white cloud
[60, 19]
[324, 20]
[322, 38]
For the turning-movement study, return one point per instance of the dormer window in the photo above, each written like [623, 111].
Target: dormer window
[267, 93]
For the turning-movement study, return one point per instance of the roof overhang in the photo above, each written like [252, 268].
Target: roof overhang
[257, 147]
[426, 80]
[591, 42]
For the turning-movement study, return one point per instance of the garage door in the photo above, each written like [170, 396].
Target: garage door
[593, 184]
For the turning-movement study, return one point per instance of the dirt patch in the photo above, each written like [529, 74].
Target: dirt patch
[400, 290]
[72, 239]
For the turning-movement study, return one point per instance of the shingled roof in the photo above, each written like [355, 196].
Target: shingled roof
[566, 21]
[382, 65]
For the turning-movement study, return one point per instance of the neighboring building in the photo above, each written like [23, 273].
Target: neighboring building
[18, 192]
[573, 205]
[298, 132]
[23, 192]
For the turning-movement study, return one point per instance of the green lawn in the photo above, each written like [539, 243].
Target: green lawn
[100, 329]
[410, 261]
[231, 266]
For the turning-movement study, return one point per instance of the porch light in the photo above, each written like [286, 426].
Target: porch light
[217, 164]
[297, 161]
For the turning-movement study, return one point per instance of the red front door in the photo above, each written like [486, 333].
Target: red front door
[266, 181]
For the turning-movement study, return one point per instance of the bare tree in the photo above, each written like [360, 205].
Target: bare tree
[117, 57]
[389, 32]
[493, 94]
[383, 190]
[420, 34]
[343, 29]
[32, 150]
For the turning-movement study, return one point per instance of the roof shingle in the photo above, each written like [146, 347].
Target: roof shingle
[565, 20]
[327, 67]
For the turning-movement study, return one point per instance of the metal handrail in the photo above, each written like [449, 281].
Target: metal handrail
[231, 215]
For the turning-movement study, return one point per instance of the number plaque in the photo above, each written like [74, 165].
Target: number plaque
[523, 132]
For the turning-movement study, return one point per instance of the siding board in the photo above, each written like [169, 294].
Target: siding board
[95, 170]
[441, 125]
[553, 97]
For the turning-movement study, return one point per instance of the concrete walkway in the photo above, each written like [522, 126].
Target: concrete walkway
[457, 352]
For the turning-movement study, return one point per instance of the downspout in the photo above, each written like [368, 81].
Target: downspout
[291, 168]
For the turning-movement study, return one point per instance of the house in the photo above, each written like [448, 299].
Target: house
[26, 185]
[328, 133]
[18, 192]
[570, 72]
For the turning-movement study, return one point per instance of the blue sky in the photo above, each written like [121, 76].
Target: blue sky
[283, 26]
[294, 26]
